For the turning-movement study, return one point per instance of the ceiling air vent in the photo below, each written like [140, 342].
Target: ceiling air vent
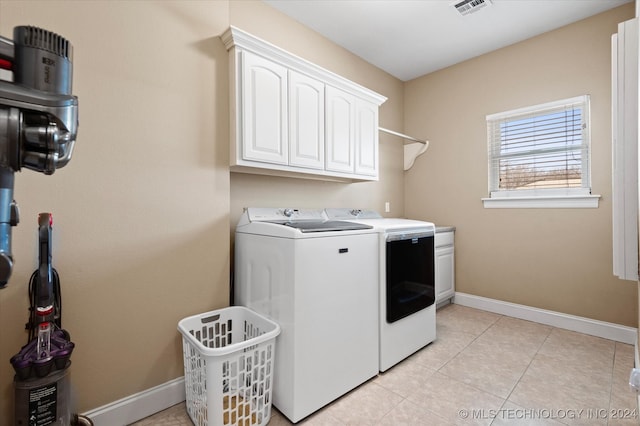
[466, 7]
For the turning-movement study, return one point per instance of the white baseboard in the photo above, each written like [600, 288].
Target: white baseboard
[140, 405]
[606, 330]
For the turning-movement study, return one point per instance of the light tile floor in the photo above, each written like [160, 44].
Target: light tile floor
[485, 369]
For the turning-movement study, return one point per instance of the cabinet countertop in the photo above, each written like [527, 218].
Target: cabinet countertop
[445, 229]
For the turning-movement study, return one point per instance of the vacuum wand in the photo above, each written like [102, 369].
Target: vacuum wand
[8, 218]
[38, 117]
[44, 292]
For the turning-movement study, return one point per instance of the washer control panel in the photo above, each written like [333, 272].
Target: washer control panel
[262, 214]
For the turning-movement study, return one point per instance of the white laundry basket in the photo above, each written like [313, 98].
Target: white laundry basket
[228, 366]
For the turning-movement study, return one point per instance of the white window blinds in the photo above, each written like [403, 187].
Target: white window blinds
[540, 150]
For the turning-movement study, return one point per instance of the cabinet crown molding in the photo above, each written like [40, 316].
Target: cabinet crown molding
[239, 39]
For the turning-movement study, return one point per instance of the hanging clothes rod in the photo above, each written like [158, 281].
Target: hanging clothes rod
[411, 150]
[391, 132]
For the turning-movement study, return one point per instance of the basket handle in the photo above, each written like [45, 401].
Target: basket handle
[212, 318]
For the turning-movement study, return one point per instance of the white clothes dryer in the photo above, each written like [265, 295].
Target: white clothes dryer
[407, 310]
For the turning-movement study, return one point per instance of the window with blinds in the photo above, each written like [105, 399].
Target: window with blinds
[540, 151]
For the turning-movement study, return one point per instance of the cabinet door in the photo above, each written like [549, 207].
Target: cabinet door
[264, 110]
[340, 128]
[366, 143]
[445, 273]
[306, 121]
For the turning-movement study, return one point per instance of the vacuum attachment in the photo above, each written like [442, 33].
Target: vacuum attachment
[49, 347]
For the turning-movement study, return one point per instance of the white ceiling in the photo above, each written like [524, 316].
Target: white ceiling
[410, 38]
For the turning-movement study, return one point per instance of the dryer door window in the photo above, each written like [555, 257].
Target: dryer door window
[410, 276]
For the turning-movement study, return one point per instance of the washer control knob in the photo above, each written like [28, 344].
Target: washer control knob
[288, 212]
[356, 212]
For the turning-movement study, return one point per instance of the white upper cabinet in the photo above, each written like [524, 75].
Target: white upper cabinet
[264, 110]
[341, 130]
[290, 117]
[366, 143]
[306, 121]
[352, 134]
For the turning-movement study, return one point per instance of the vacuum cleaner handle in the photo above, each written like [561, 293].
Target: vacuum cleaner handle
[45, 299]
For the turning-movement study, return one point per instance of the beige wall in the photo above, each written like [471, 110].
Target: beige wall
[141, 213]
[557, 259]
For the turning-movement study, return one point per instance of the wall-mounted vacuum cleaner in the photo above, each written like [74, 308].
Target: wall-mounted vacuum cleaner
[38, 127]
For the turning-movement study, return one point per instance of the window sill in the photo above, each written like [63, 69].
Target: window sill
[549, 202]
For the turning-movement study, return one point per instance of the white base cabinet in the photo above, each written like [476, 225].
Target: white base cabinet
[290, 117]
[444, 266]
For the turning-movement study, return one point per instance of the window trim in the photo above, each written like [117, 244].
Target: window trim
[544, 197]
[543, 202]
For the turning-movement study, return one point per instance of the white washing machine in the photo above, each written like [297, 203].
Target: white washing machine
[407, 319]
[319, 280]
